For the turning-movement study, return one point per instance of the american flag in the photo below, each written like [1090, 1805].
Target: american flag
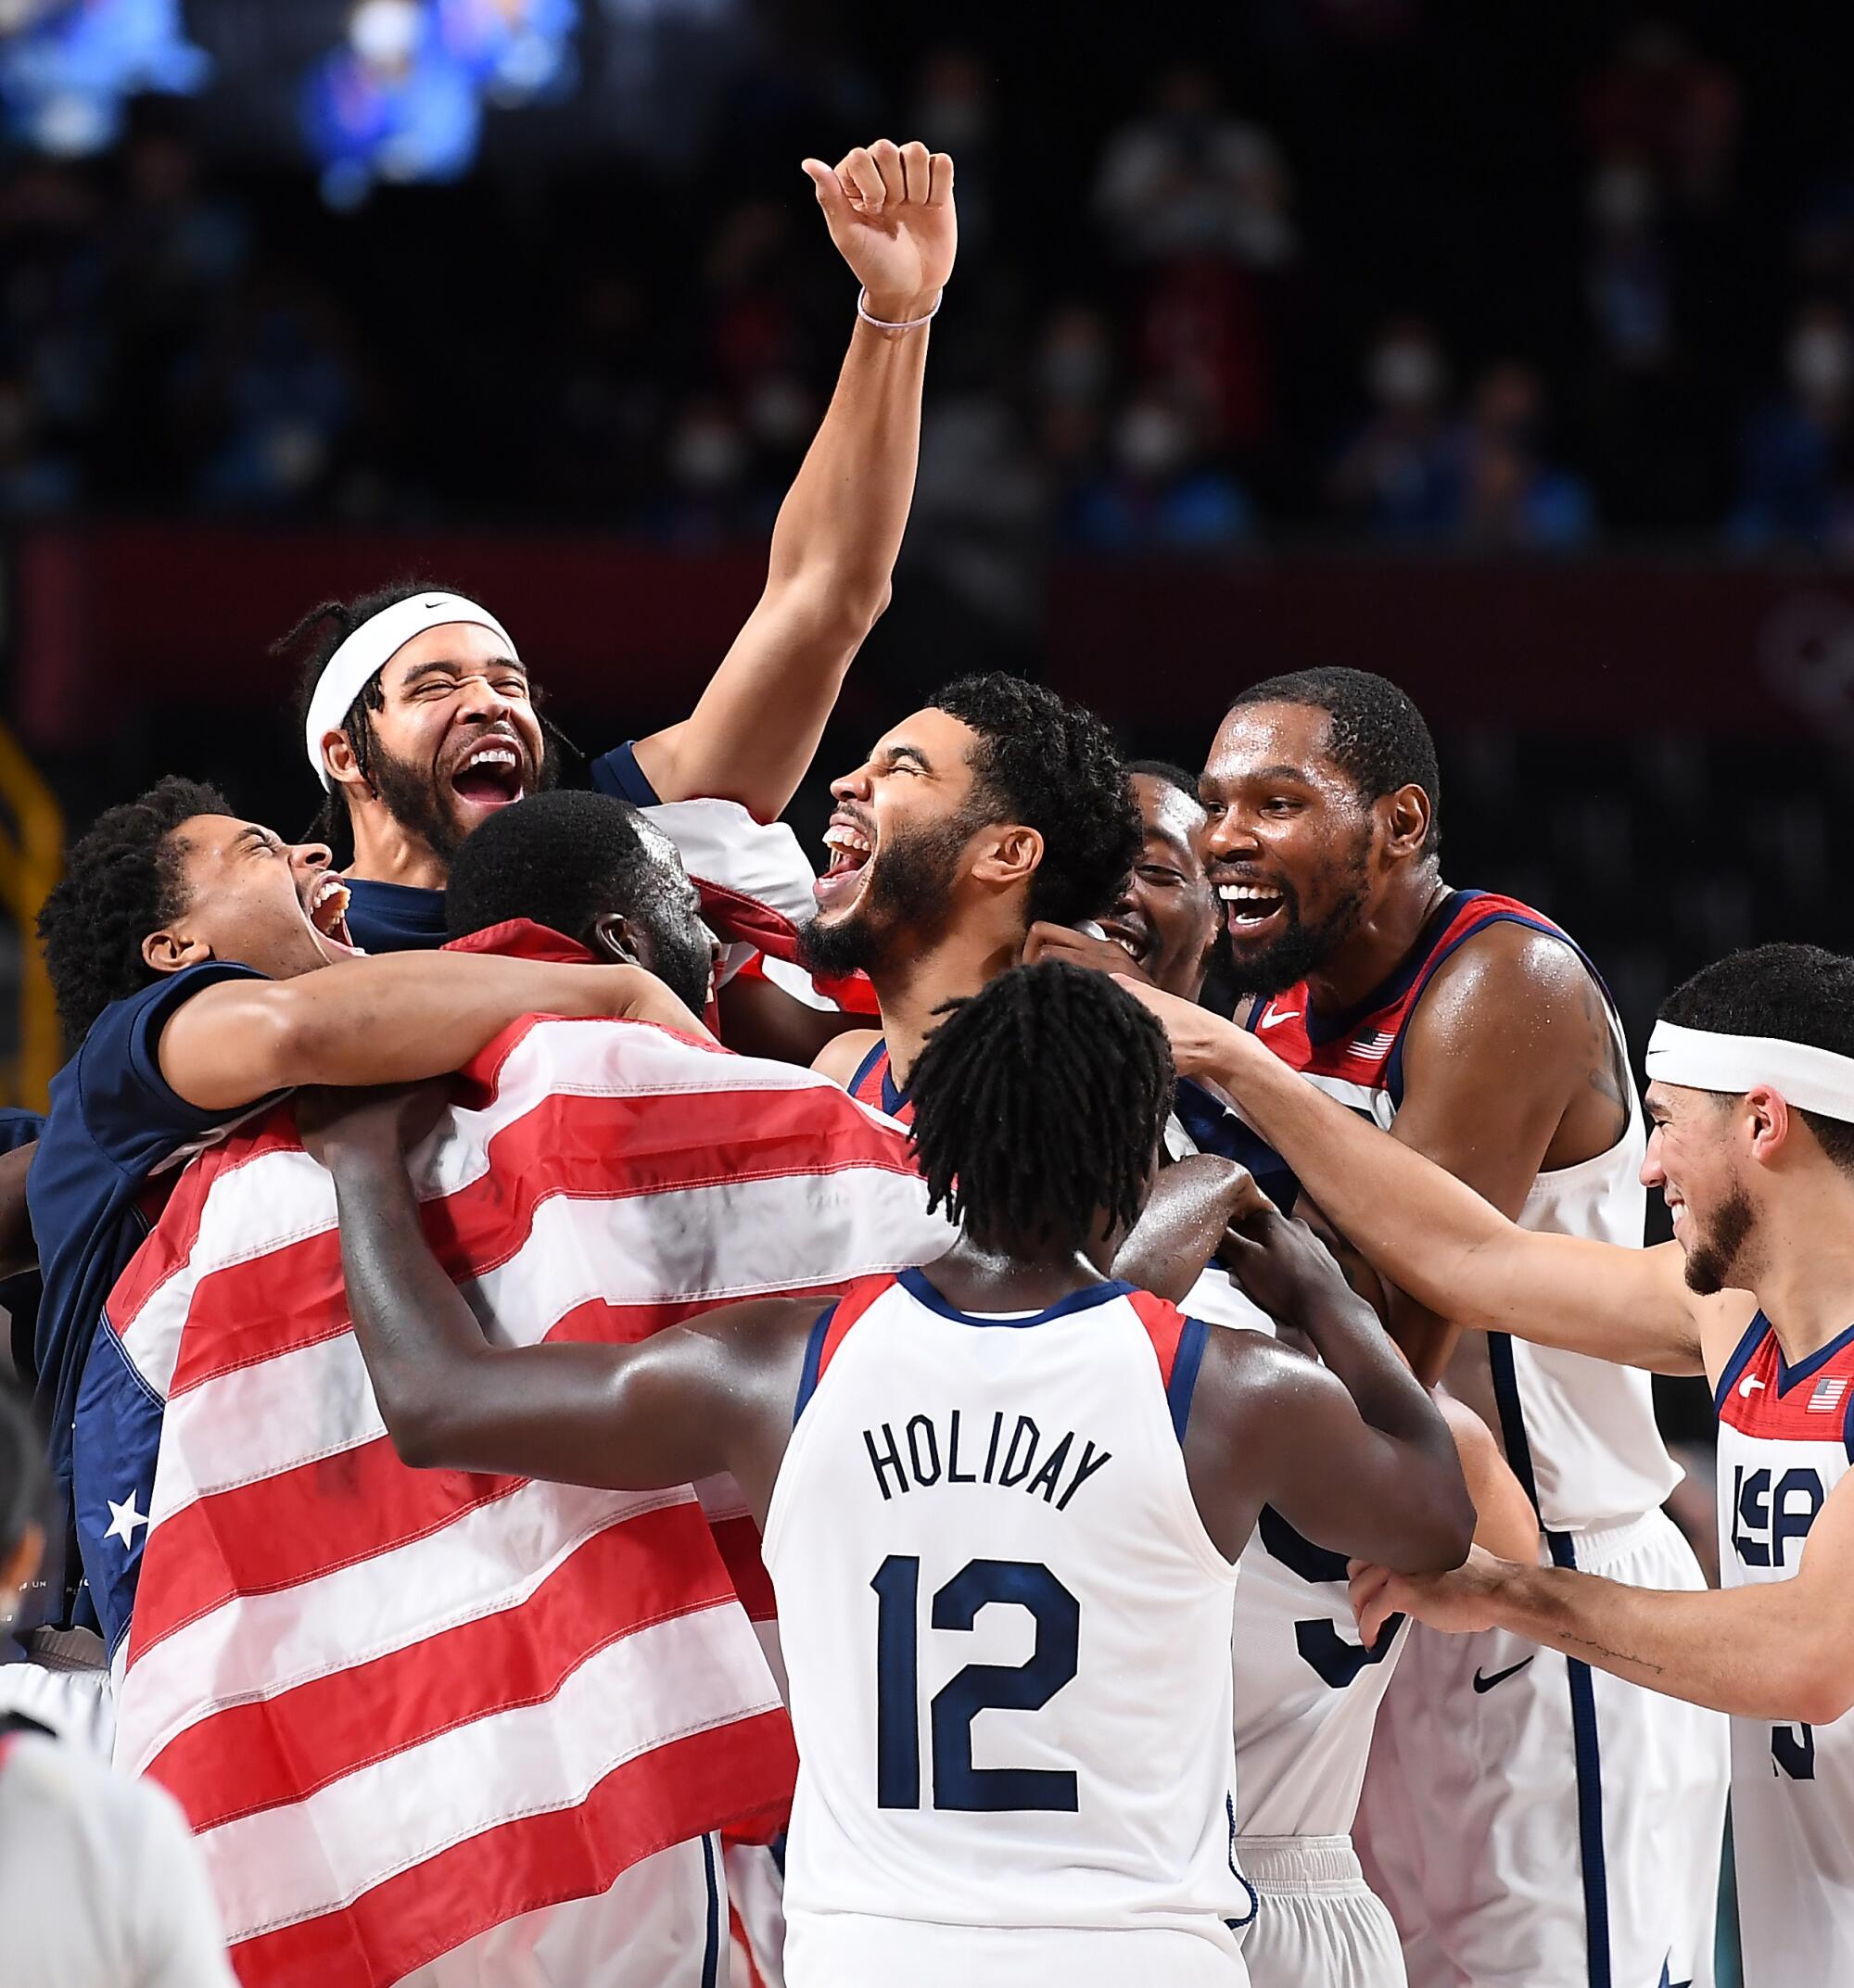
[1826, 1395]
[401, 1708]
[1373, 1044]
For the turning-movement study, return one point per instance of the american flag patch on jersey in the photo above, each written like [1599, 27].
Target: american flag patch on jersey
[1828, 1392]
[1372, 1043]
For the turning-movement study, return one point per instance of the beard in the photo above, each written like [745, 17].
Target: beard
[911, 881]
[1286, 961]
[1711, 1260]
[423, 802]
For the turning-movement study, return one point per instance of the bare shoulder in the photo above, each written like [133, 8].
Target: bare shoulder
[842, 1057]
[1504, 964]
[1248, 1379]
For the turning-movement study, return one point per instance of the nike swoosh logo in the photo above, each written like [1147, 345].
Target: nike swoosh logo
[1500, 1676]
[1748, 1383]
[1274, 1021]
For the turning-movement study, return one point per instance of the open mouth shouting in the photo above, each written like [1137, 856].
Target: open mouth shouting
[491, 772]
[1134, 936]
[851, 843]
[1252, 910]
[325, 905]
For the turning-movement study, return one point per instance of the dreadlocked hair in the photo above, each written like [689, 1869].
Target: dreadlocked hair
[311, 643]
[123, 880]
[1038, 1104]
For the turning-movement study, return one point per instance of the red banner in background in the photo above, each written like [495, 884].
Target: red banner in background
[126, 618]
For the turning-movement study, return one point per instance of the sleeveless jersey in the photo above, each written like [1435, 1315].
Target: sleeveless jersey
[1785, 1435]
[1306, 1691]
[874, 1086]
[1005, 1627]
[1579, 1433]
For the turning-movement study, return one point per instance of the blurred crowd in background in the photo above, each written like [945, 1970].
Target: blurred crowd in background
[1383, 271]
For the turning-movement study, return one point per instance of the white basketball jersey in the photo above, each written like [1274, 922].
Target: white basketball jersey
[1306, 1691]
[1006, 1629]
[1785, 1436]
[1580, 1433]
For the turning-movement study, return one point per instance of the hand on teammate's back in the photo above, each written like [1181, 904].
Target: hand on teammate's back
[1458, 1600]
[890, 211]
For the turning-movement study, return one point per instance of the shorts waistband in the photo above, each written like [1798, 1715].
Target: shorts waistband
[1299, 1863]
[1596, 1547]
[66, 1650]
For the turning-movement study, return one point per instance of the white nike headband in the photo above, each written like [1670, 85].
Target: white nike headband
[371, 647]
[1811, 1078]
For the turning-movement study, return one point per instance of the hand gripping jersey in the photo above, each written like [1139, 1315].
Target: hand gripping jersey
[1579, 1433]
[1785, 1435]
[1006, 1633]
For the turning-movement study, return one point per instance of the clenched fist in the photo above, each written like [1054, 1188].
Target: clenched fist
[890, 210]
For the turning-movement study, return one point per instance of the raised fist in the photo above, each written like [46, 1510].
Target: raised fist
[890, 210]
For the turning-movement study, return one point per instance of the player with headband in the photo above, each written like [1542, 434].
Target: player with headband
[1751, 1094]
[420, 718]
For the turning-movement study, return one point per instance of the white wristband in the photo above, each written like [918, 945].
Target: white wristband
[882, 323]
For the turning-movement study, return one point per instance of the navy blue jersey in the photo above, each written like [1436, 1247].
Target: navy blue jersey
[402, 917]
[115, 1121]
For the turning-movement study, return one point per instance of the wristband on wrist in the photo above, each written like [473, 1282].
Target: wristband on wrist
[907, 324]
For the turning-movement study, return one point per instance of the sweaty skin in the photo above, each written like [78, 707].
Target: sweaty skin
[1348, 1452]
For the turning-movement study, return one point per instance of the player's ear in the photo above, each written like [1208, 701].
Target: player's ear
[169, 950]
[337, 756]
[614, 938]
[1406, 815]
[1009, 856]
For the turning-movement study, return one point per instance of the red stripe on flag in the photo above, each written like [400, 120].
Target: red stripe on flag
[521, 1866]
[294, 1296]
[1164, 1326]
[738, 1539]
[649, 1569]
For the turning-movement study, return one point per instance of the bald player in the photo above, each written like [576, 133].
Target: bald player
[419, 712]
[1752, 1100]
[1477, 1031]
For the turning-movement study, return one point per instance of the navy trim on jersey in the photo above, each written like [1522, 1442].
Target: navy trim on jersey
[1848, 1427]
[893, 1096]
[1742, 1356]
[1394, 1066]
[1588, 1759]
[618, 772]
[868, 1064]
[1325, 1029]
[1513, 1435]
[1184, 1382]
[711, 1957]
[814, 1356]
[1787, 1375]
[915, 1283]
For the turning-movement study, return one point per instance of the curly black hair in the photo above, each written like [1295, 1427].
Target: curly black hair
[561, 859]
[1376, 736]
[311, 642]
[1038, 1103]
[122, 881]
[1801, 994]
[1052, 766]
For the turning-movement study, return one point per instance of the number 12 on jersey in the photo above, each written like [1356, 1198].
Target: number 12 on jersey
[1026, 1686]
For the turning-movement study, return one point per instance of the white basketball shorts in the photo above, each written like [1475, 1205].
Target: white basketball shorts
[1315, 1918]
[1533, 1823]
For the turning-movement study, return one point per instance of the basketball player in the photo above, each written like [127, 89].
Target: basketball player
[998, 805]
[419, 716]
[1001, 1499]
[1752, 1099]
[1307, 1691]
[1478, 1033]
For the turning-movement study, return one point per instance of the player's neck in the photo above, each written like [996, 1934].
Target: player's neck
[1805, 1284]
[385, 853]
[971, 1279]
[1379, 944]
[951, 968]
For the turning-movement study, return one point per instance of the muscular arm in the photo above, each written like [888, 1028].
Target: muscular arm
[392, 1020]
[1510, 1052]
[1436, 1239]
[755, 730]
[1781, 1653]
[712, 1395]
[1347, 1450]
